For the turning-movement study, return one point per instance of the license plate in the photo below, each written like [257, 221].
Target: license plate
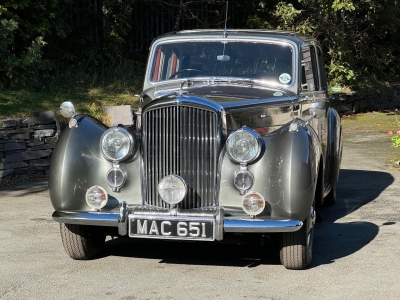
[171, 228]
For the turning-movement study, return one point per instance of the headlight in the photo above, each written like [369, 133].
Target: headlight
[243, 145]
[117, 144]
[172, 189]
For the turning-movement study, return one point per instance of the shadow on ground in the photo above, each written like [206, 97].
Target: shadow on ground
[25, 188]
[333, 240]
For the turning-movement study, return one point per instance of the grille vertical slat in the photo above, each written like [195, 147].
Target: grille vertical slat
[197, 172]
[203, 149]
[184, 141]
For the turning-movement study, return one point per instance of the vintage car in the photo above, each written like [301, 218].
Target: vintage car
[234, 136]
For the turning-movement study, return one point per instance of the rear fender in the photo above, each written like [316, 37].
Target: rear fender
[334, 146]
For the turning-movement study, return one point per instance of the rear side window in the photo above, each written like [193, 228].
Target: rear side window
[307, 78]
[311, 69]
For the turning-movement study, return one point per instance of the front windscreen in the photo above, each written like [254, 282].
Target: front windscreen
[242, 59]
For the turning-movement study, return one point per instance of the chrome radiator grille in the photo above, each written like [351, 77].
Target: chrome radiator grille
[184, 141]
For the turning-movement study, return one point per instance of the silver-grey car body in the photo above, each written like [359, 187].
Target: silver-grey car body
[234, 135]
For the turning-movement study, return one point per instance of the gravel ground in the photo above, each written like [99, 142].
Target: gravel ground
[356, 248]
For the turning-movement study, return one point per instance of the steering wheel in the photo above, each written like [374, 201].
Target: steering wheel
[185, 70]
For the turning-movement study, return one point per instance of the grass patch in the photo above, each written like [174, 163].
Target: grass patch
[372, 134]
[374, 121]
[89, 88]
[23, 103]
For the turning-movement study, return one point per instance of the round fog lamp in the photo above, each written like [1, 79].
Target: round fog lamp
[172, 189]
[243, 180]
[96, 197]
[253, 203]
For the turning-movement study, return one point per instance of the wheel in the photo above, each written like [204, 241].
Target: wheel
[185, 70]
[330, 199]
[80, 241]
[296, 247]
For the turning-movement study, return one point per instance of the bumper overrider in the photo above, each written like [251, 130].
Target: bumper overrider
[195, 224]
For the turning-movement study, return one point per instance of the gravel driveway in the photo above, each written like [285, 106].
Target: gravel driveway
[356, 249]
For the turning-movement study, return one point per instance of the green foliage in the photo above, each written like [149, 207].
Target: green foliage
[43, 42]
[396, 138]
[23, 27]
[338, 5]
[396, 141]
[359, 37]
[18, 70]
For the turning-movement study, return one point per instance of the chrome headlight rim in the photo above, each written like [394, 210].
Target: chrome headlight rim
[130, 139]
[255, 135]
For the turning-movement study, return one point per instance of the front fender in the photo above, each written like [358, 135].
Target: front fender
[77, 164]
[286, 175]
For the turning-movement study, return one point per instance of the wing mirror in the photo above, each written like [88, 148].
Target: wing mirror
[317, 110]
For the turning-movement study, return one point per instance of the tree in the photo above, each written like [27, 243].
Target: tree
[23, 27]
[359, 37]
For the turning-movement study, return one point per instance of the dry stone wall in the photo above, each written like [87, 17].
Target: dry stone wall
[367, 100]
[26, 145]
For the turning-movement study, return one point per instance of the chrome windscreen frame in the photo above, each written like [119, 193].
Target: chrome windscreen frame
[270, 40]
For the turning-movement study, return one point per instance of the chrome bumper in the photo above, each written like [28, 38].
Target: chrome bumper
[256, 225]
[86, 218]
[229, 224]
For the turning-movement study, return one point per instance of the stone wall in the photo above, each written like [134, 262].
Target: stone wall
[26, 145]
[367, 100]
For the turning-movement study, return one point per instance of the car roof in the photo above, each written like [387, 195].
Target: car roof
[295, 37]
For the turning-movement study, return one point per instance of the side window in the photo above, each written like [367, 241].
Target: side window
[322, 73]
[307, 78]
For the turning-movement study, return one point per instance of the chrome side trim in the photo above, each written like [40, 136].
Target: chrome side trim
[256, 225]
[86, 218]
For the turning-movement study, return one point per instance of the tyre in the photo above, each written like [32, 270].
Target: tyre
[80, 241]
[296, 247]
